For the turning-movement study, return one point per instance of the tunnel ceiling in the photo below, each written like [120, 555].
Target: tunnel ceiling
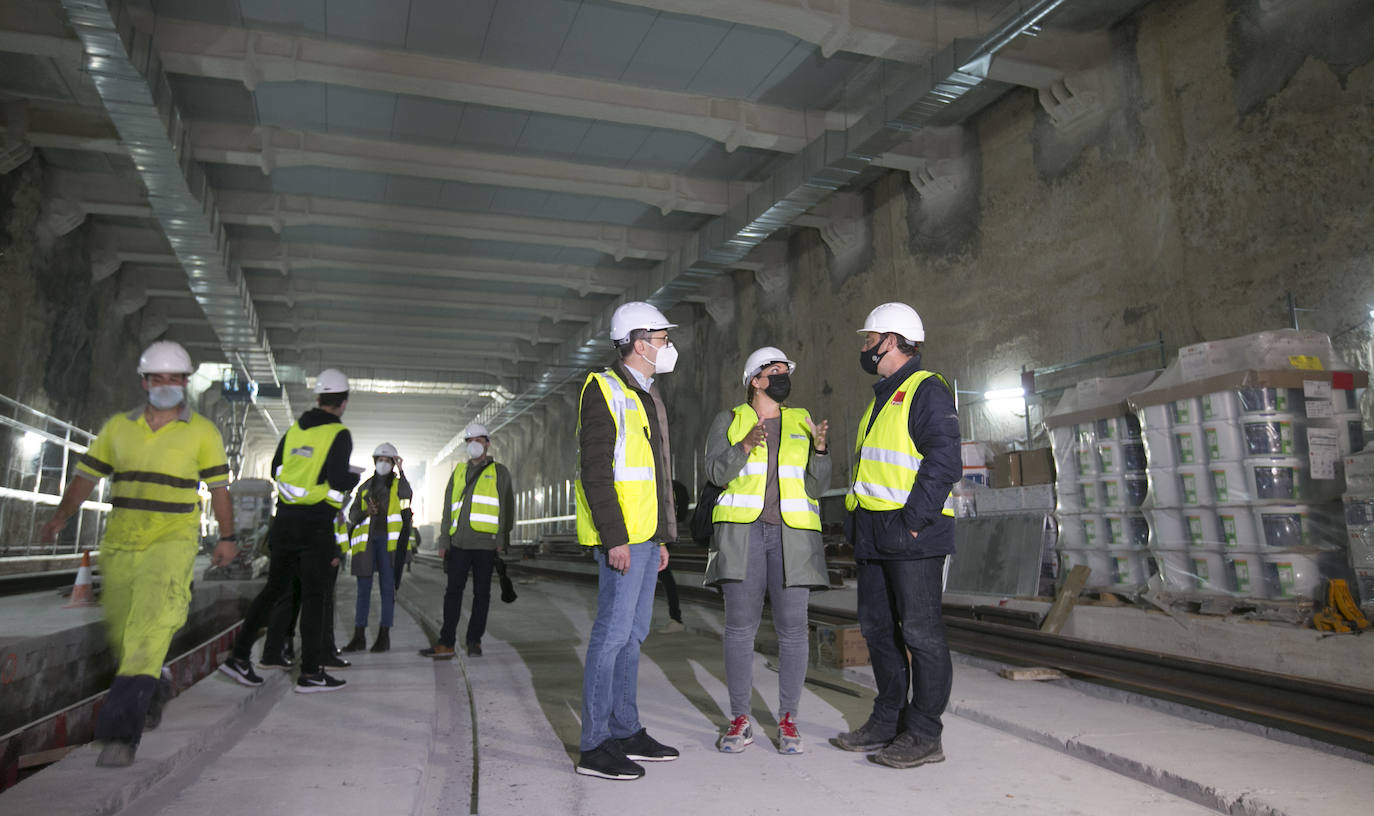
[440, 198]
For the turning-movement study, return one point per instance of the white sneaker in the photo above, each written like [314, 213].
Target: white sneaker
[737, 737]
[789, 739]
[670, 627]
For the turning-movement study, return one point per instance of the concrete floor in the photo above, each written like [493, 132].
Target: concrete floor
[400, 739]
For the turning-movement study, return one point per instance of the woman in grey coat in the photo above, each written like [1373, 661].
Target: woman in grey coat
[766, 537]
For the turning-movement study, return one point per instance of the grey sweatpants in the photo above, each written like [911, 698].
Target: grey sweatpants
[744, 610]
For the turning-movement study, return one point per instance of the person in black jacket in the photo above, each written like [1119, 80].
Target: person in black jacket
[901, 524]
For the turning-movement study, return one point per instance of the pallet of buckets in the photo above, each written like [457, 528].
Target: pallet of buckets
[1245, 441]
[1100, 468]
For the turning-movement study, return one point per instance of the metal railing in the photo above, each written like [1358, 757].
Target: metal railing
[545, 511]
[42, 450]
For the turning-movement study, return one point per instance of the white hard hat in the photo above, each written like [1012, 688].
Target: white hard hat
[331, 381]
[385, 449]
[636, 315]
[475, 430]
[762, 358]
[897, 318]
[165, 357]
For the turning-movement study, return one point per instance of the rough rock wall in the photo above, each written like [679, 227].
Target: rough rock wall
[1219, 161]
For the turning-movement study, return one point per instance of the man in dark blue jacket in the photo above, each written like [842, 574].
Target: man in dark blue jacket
[901, 525]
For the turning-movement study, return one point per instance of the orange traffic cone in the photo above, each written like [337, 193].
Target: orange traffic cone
[83, 593]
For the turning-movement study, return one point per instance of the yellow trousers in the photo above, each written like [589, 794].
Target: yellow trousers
[146, 594]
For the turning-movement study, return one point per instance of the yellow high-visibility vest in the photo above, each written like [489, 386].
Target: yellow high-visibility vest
[394, 520]
[636, 483]
[341, 536]
[302, 460]
[742, 500]
[888, 462]
[485, 516]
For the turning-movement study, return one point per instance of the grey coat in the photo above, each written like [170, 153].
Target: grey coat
[803, 554]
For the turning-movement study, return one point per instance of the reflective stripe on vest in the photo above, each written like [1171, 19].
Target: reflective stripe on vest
[888, 462]
[485, 516]
[633, 466]
[341, 537]
[394, 519]
[303, 453]
[742, 500]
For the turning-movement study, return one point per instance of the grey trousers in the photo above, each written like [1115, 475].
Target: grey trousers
[744, 610]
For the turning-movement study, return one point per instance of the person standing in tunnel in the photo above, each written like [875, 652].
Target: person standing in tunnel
[901, 524]
[766, 539]
[155, 457]
[380, 519]
[625, 511]
[313, 480]
[478, 519]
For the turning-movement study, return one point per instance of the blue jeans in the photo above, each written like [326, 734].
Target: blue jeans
[624, 608]
[382, 571]
[899, 609]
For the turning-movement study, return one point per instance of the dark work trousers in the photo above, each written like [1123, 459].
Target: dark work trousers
[665, 577]
[301, 549]
[899, 608]
[457, 564]
[125, 707]
[285, 613]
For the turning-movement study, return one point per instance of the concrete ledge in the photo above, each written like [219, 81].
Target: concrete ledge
[198, 720]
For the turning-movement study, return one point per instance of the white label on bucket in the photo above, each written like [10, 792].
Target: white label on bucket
[1316, 389]
[1319, 408]
[1322, 452]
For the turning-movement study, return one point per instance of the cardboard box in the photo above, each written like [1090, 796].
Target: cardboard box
[1006, 470]
[839, 645]
[1037, 467]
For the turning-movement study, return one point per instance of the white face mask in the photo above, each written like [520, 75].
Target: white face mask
[666, 359]
[383, 468]
[163, 397]
[476, 450]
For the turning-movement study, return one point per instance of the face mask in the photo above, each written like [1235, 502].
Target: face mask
[779, 386]
[163, 397]
[476, 450]
[383, 468]
[666, 359]
[869, 358]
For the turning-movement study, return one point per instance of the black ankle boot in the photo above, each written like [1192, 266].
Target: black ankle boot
[383, 642]
[359, 641]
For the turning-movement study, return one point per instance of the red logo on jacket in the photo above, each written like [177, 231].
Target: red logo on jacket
[898, 397]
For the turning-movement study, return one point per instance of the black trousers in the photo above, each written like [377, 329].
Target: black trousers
[291, 612]
[665, 577]
[457, 564]
[301, 549]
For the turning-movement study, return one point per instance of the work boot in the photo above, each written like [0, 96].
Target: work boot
[909, 751]
[474, 648]
[164, 693]
[116, 754]
[438, 651]
[870, 736]
[359, 641]
[383, 642]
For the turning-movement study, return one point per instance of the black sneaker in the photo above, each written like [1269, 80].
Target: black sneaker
[241, 670]
[644, 748]
[275, 661]
[474, 649]
[868, 737]
[909, 751]
[288, 651]
[309, 683]
[330, 661]
[607, 761]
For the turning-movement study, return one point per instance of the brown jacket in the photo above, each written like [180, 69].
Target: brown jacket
[596, 443]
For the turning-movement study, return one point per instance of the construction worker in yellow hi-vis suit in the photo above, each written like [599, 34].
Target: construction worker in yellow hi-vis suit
[156, 456]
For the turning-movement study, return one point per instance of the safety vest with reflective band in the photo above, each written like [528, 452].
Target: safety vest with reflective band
[341, 536]
[485, 516]
[888, 462]
[302, 460]
[394, 520]
[636, 485]
[742, 500]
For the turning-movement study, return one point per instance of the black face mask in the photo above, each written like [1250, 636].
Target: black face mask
[869, 358]
[779, 386]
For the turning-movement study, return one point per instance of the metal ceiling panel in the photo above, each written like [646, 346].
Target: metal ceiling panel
[382, 23]
[608, 141]
[237, 177]
[674, 148]
[744, 164]
[490, 127]
[456, 195]
[414, 192]
[620, 211]
[805, 79]
[512, 201]
[220, 12]
[741, 62]
[674, 50]
[292, 105]
[431, 121]
[216, 100]
[449, 29]
[367, 113]
[557, 135]
[306, 16]
[528, 33]
[603, 39]
[350, 184]
[31, 76]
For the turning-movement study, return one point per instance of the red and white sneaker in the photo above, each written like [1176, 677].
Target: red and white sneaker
[739, 736]
[789, 739]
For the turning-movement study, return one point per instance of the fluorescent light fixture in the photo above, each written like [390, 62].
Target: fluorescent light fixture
[1004, 394]
[31, 444]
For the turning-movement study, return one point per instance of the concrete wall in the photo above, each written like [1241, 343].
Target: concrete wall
[1219, 161]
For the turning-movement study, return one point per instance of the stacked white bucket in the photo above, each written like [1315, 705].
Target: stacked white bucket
[1101, 483]
[1359, 522]
[1233, 507]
